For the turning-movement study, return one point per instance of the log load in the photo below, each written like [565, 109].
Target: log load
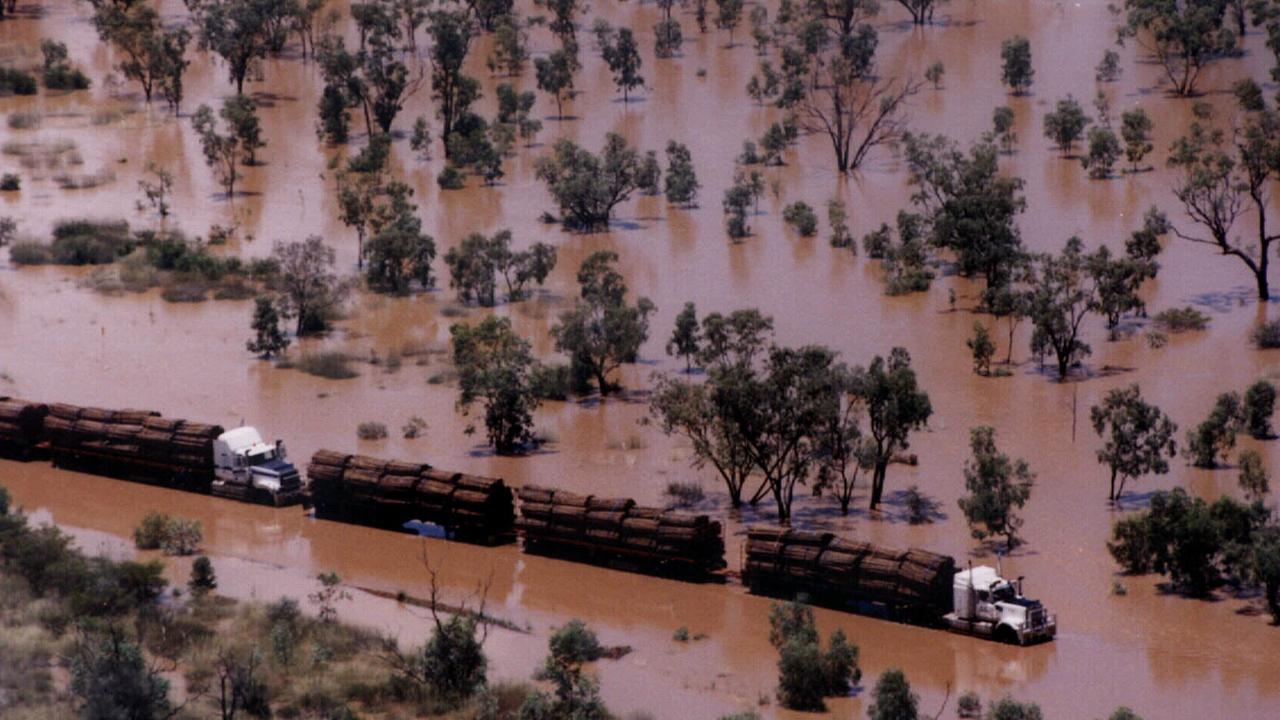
[833, 569]
[133, 443]
[390, 493]
[563, 523]
[21, 426]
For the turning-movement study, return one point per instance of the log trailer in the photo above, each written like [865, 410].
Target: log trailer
[145, 446]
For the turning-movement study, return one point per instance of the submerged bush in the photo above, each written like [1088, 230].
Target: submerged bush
[10, 182]
[328, 364]
[371, 431]
[801, 217]
[1266, 336]
[1176, 320]
[29, 253]
[16, 82]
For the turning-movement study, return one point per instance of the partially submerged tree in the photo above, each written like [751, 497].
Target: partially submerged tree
[310, 290]
[555, 77]
[268, 340]
[222, 150]
[1065, 125]
[971, 205]
[1015, 68]
[684, 338]
[493, 368]
[602, 332]
[622, 55]
[895, 408]
[1135, 130]
[807, 674]
[1137, 437]
[680, 184]
[708, 414]
[997, 486]
[453, 90]
[855, 110]
[239, 31]
[1219, 177]
[398, 253]
[476, 264]
[587, 186]
[1183, 37]
[1062, 295]
[150, 54]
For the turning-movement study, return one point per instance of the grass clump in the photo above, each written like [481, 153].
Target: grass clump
[173, 535]
[16, 82]
[1266, 336]
[24, 120]
[10, 182]
[371, 431]
[329, 364]
[684, 494]
[1176, 320]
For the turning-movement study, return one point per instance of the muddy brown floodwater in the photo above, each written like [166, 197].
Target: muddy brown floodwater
[1165, 656]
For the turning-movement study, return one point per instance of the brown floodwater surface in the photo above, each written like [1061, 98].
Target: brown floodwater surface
[1163, 655]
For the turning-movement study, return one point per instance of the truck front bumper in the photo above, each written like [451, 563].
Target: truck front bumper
[1043, 633]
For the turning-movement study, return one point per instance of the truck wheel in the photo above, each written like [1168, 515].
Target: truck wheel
[1005, 634]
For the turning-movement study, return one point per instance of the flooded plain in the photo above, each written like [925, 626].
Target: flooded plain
[1163, 655]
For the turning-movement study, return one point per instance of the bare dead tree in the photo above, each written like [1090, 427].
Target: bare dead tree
[856, 111]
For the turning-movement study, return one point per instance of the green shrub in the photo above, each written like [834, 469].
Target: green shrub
[453, 659]
[203, 579]
[64, 77]
[151, 532]
[575, 643]
[29, 253]
[551, 382]
[681, 634]
[1266, 336]
[87, 242]
[328, 364]
[10, 182]
[806, 674]
[1176, 320]
[969, 705]
[173, 535]
[16, 82]
[451, 178]
[801, 217]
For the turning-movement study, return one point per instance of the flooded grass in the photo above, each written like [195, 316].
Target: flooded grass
[328, 364]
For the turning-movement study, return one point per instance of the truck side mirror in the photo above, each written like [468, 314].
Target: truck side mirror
[280, 452]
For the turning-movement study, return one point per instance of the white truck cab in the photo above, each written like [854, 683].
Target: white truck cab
[244, 465]
[986, 604]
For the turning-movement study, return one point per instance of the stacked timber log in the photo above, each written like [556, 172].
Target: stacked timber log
[359, 488]
[132, 440]
[833, 568]
[21, 426]
[616, 529]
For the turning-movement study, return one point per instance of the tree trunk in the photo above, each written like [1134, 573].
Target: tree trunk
[877, 482]
[604, 383]
[1112, 496]
[1264, 287]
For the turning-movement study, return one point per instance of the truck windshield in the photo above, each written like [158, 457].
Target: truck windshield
[265, 456]
[1004, 592]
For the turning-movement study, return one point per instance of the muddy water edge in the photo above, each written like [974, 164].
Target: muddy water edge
[1165, 656]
